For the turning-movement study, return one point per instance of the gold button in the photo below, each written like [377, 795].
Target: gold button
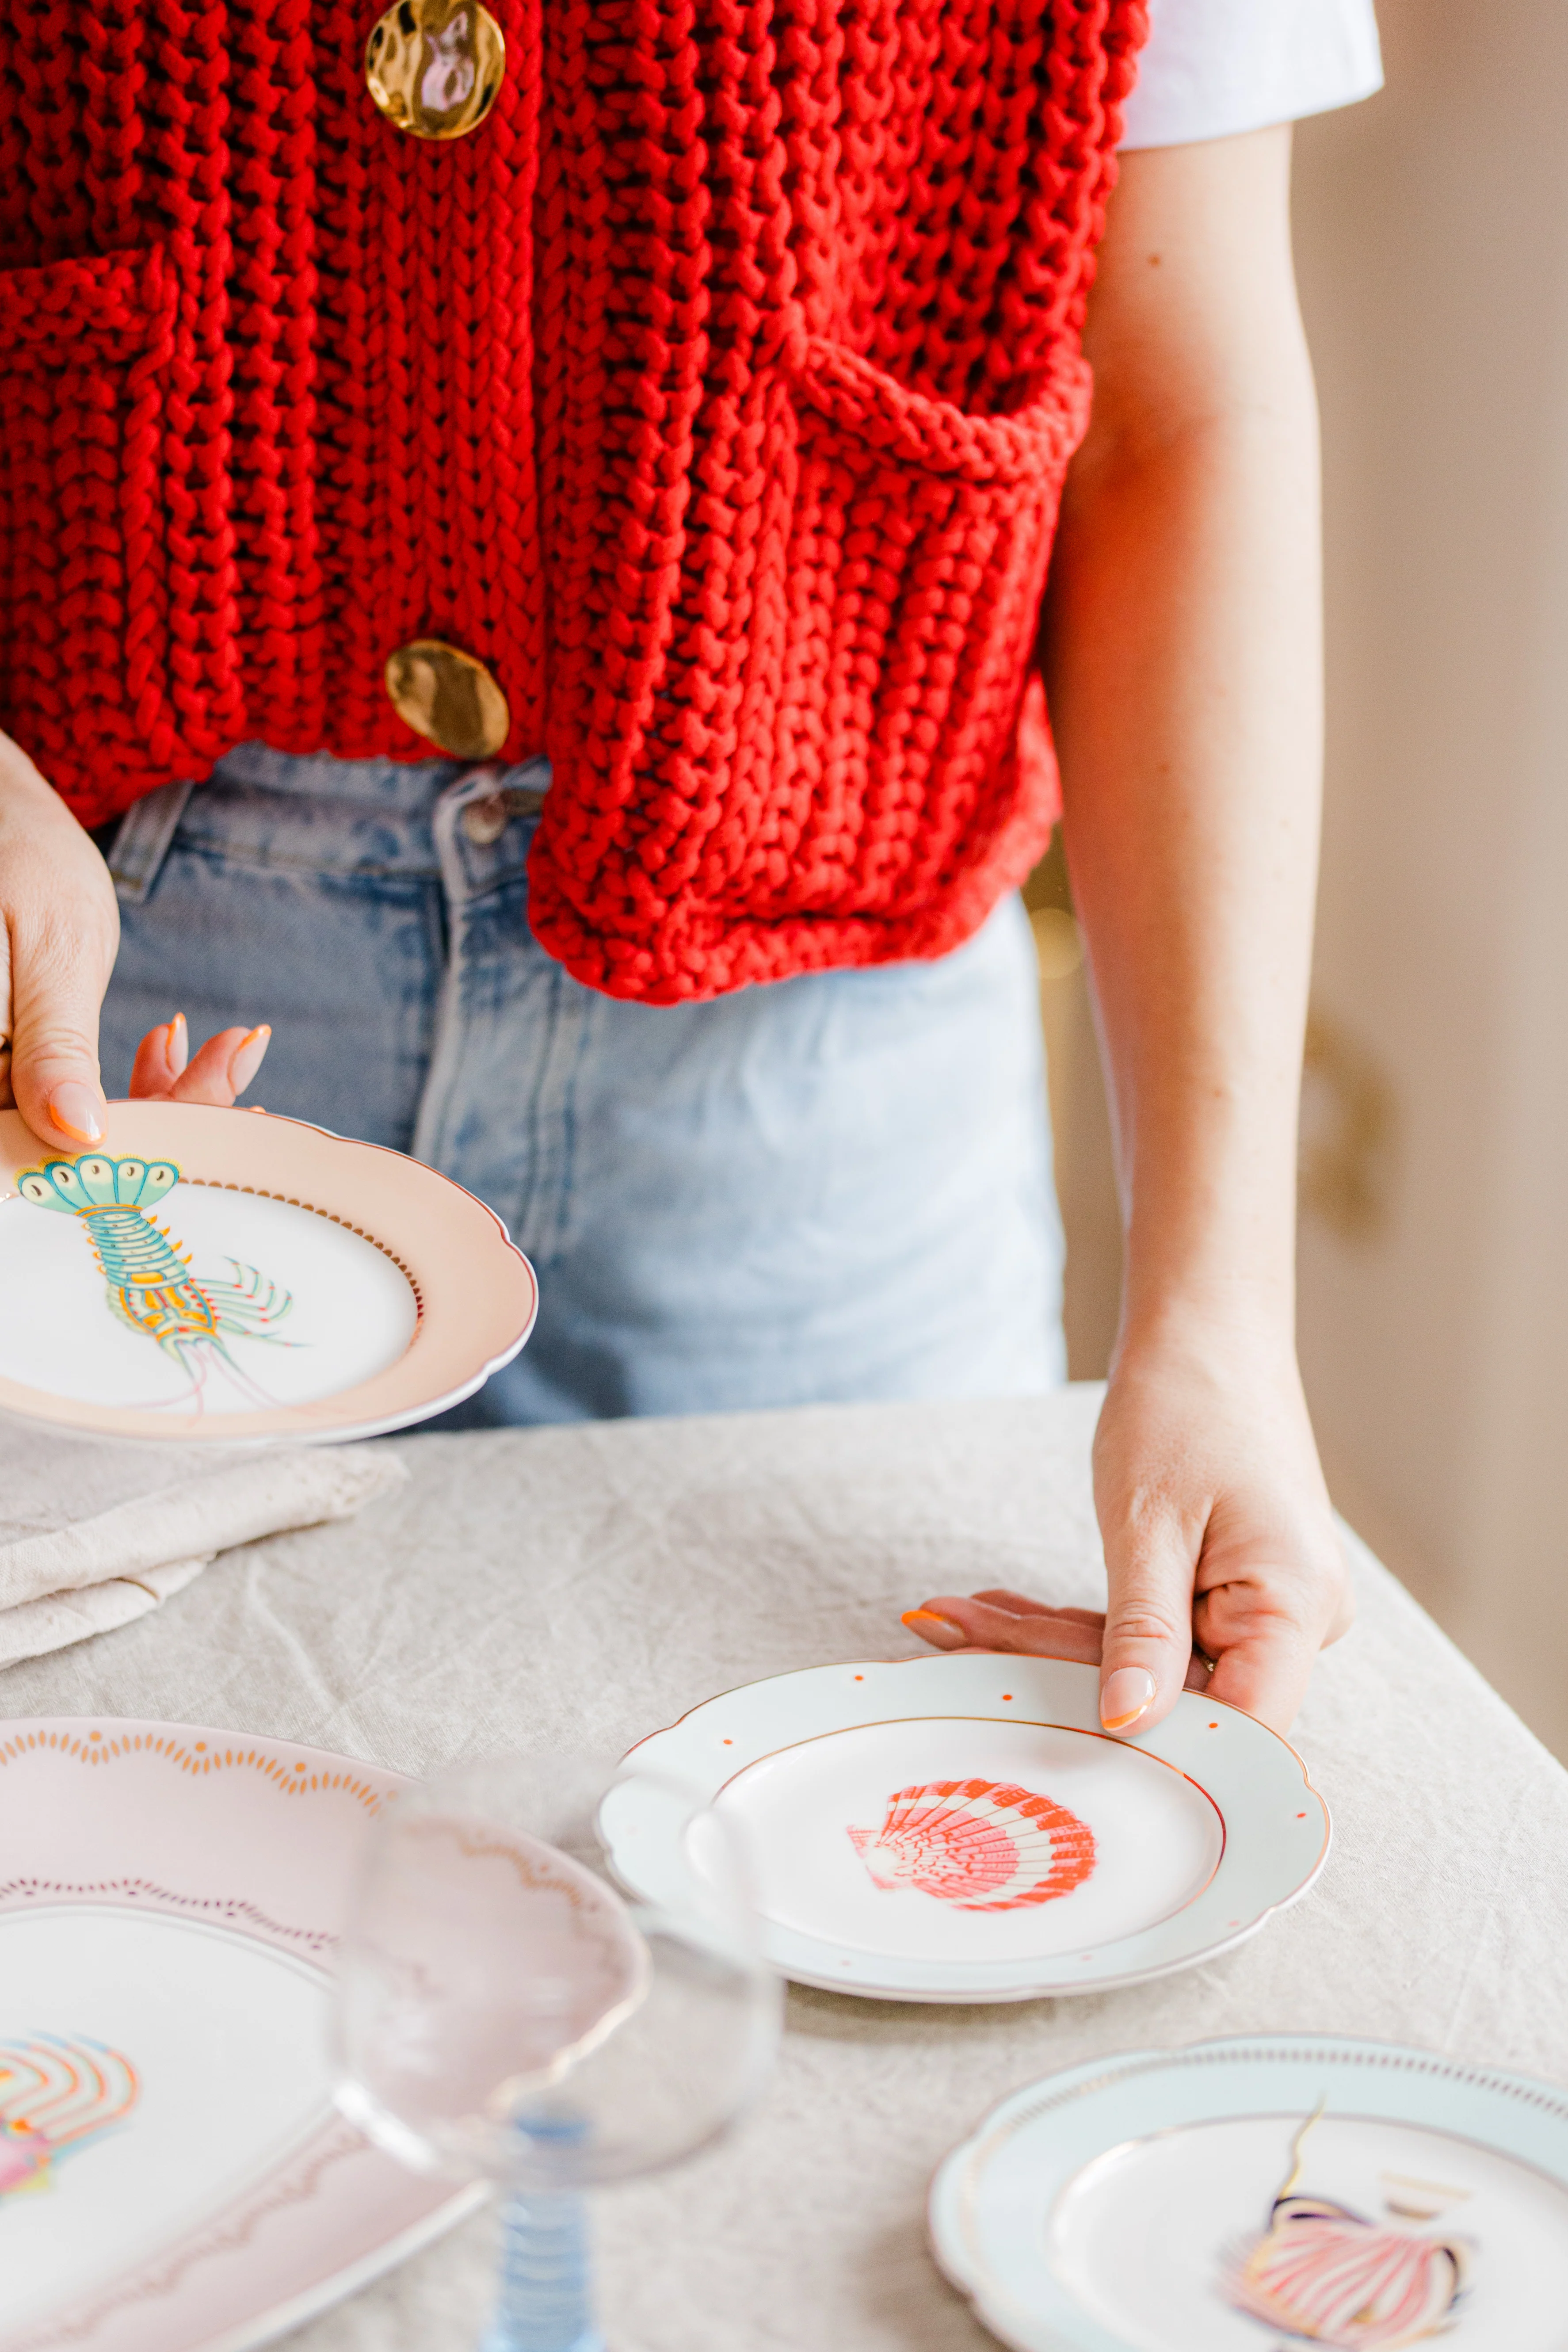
[448, 698]
[435, 67]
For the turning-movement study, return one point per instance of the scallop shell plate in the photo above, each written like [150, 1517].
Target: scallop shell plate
[982, 1845]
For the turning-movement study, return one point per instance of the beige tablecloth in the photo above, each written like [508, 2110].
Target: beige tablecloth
[589, 1584]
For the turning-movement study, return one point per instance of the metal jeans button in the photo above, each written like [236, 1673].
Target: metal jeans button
[485, 821]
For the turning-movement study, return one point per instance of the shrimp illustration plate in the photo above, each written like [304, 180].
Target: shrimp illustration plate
[149, 1283]
[217, 1277]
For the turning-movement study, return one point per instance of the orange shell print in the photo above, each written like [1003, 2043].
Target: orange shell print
[982, 1845]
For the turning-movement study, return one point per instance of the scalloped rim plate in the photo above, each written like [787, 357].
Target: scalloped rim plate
[409, 1294]
[1202, 1828]
[169, 1897]
[1105, 2208]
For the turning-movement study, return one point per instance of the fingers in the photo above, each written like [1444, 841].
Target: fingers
[1148, 1627]
[1263, 1622]
[167, 1071]
[160, 1058]
[1019, 1604]
[953, 1622]
[57, 989]
[1002, 1620]
[1266, 1673]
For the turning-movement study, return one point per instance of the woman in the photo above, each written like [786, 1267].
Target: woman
[727, 413]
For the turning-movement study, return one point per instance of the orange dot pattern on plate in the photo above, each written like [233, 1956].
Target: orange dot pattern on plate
[97, 1750]
[259, 1192]
[982, 1845]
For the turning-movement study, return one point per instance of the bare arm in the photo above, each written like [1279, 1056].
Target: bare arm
[1183, 668]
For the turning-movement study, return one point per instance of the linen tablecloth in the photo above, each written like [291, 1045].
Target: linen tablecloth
[93, 1534]
[586, 1584]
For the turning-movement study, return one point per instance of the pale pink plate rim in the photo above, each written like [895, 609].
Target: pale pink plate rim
[200, 1750]
[476, 1296]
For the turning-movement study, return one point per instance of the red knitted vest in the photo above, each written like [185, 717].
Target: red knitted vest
[715, 392]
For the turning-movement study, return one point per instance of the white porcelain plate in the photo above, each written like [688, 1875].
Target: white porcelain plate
[1245, 2196]
[961, 1829]
[174, 2176]
[220, 1275]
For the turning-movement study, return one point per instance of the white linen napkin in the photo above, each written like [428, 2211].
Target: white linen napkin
[92, 1535]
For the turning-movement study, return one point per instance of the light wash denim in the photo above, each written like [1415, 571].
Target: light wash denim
[833, 1187]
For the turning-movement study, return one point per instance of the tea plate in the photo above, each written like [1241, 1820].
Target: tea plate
[228, 1276]
[1243, 2194]
[960, 1828]
[174, 2175]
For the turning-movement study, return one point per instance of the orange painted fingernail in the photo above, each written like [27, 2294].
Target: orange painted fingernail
[74, 1109]
[933, 1627]
[177, 1043]
[246, 1057]
[1128, 1694]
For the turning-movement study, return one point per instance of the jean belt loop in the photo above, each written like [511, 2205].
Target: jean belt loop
[142, 844]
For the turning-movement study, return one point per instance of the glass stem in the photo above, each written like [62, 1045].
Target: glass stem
[546, 2303]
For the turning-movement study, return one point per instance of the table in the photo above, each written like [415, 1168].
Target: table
[586, 1584]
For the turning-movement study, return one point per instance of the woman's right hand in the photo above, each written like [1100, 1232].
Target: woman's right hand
[59, 932]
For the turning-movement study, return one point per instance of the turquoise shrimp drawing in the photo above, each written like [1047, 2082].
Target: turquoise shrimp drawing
[149, 1282]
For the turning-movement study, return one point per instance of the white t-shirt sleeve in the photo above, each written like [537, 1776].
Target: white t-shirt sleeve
[1213, 68]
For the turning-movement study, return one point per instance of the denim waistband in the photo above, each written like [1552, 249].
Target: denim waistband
[317, 814]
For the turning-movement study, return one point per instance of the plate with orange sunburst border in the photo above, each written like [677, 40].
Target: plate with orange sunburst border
[960, 1829]
[174, 2176]
[1244, 2195]
[221, 1276]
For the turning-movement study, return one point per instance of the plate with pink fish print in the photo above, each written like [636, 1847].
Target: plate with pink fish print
[174, 2174]
[1252, 2195]
[229, 1277]
[960, 1828]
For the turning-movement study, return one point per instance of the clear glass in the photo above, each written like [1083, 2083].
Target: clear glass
[505, 2012]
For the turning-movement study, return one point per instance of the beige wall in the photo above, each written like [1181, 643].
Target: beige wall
[1432, 249]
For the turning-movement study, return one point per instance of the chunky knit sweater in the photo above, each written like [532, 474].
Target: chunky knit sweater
[715, 392]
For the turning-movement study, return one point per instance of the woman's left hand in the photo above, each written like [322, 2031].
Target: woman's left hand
[1219, 1542]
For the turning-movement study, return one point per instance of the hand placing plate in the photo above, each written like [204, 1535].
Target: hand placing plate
[1246, 2194]
[219, 1276]
[959, 1828]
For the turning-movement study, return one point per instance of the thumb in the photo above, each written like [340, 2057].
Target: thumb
[57, 990]
[1148, 1643]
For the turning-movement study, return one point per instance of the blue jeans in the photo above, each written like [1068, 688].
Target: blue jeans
[835, 1187]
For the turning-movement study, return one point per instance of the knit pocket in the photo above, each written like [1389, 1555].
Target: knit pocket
[119, 617]
[917, 556]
